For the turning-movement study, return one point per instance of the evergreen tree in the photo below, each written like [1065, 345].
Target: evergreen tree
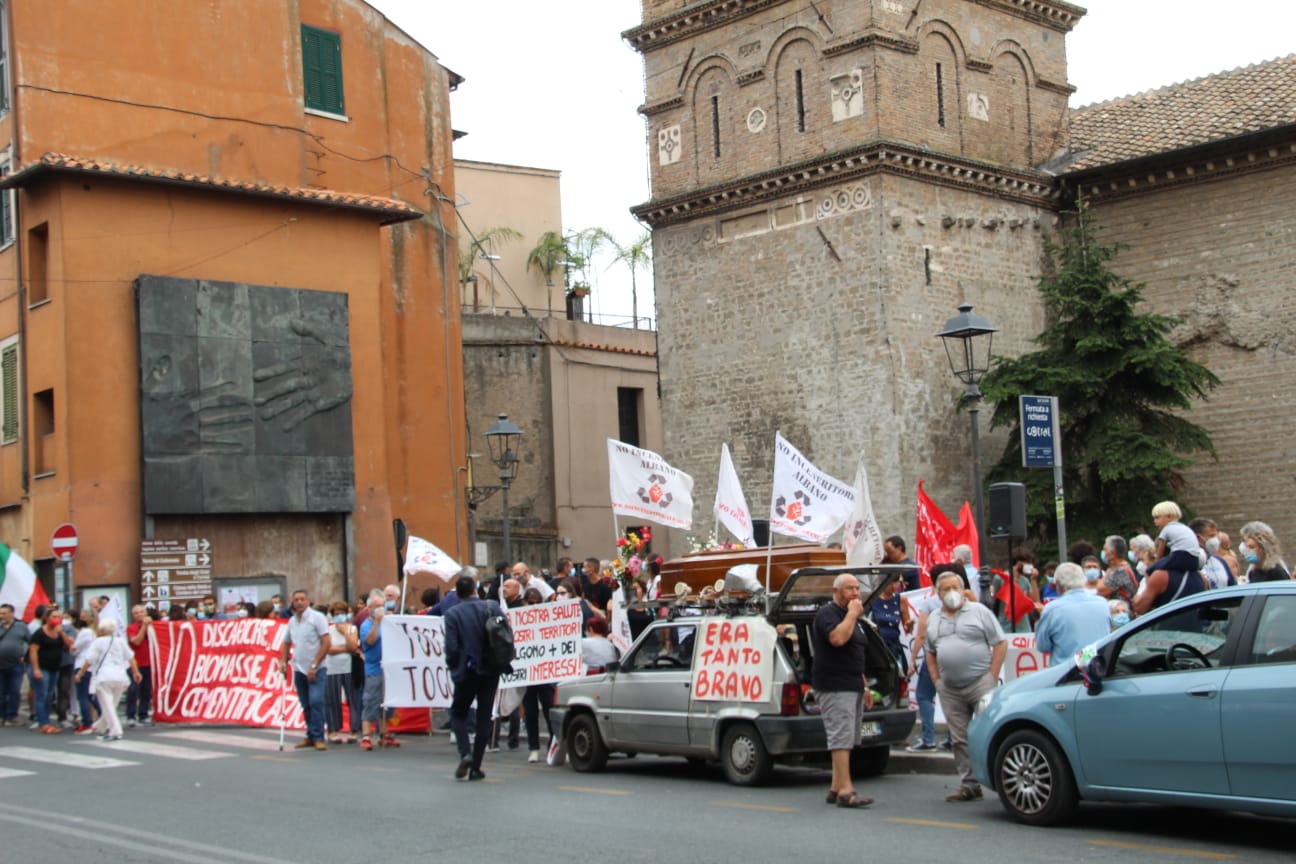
[1122, 387]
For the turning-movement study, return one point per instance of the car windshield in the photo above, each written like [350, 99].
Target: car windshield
[1204, 627]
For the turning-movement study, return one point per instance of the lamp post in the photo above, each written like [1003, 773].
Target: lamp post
[969, 359]
[501, 436]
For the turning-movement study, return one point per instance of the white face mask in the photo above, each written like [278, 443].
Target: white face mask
[953, 600]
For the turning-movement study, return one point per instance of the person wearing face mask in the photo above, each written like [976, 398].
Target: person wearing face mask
[1074, 620]
[1215, 569]
[207, 611]
[1119, 581]
[1050, 591]
[139, 695]
[966, 648]
[1120, 613]
[46, 656]
[1092, 568]
[343, 642]
[371, 643]
[1262, 554]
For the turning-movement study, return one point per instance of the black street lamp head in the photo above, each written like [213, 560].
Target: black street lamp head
[968, 353]
[501, 437]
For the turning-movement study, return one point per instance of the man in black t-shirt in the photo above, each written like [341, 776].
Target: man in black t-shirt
[839, 682]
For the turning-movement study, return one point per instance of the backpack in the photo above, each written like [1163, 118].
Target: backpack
[499, 641]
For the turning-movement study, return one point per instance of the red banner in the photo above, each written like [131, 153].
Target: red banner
[222, 672]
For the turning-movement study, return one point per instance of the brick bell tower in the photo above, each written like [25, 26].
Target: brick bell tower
[830, 180]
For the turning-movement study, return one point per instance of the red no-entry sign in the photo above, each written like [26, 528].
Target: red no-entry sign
[64, 542]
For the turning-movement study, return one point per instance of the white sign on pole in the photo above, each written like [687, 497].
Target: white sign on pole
[414, 667]
[547, 637]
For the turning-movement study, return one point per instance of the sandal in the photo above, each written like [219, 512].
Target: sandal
[366, 743]
[390, 741]
[850, 799]
[832, 797]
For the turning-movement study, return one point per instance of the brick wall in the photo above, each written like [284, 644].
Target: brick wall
[1219, 254]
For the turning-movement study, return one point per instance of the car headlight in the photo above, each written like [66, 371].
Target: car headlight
[984, 702]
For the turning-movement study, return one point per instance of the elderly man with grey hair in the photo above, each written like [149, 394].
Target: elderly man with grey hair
[839, 682]
[1072, 621]
[966, 648]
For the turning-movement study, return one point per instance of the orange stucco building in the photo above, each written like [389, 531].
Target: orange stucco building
[159, 152]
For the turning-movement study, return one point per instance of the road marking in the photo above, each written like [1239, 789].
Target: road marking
[1164, 850]
[932, 823]
[769, 808]
[248, 742]
[595, 791]
[14, 772]
[160, 750]
[59, 757]
[287, 759]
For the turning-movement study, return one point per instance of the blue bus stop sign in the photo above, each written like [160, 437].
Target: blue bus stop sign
[1041, 440]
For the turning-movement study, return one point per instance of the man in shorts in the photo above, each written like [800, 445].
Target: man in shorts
[839, 683]
[371, 645]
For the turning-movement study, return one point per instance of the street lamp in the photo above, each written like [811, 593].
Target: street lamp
[969, 359]
[501, 436]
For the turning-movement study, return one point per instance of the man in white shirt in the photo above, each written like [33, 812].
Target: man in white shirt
[307, 637]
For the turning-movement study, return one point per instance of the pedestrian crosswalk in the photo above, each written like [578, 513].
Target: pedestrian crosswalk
[89, 752]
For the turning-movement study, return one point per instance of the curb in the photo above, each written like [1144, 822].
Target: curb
[904, 762]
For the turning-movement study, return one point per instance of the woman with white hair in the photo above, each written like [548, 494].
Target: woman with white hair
[109, 661]
[1262, 553]
[1142, 547]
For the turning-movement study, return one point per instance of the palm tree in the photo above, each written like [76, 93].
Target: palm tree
[483, 241]
[634, 255]
[547, 256]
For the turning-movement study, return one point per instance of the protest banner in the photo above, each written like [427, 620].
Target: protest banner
[1023, 657]
[644, 486]
[734, 660]
[619, 632]
[547, 637]
[221, 672]
[806, 502]
[414, 667]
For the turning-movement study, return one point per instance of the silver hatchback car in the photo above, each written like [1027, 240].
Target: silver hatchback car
[646, 704]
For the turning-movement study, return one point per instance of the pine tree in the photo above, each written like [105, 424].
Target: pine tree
[1122, 387]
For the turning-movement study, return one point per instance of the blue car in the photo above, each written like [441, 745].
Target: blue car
[1193, 704]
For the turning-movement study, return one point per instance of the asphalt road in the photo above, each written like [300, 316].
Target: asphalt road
[228, 795]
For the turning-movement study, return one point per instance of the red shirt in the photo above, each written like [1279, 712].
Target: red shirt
[142, 649]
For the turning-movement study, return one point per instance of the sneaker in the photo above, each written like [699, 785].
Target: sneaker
[946, 745]
[533, 756]
[146, 721]
[963, 793]
[34, 727]
[920, 747]
[67, 724]
[130, 721]
[84, 730]
[51, 729]
[366, 743]
[492, 748]
[390, 741]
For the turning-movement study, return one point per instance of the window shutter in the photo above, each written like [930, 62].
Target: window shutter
[9, 386]
[322, 69]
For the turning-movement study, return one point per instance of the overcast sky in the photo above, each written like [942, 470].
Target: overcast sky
[552, 85]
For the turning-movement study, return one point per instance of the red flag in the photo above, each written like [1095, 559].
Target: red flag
[1013, 598]
[935, 536]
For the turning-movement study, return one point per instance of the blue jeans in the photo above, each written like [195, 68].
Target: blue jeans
[42, 690]
[10, 691]
[925, 693]
[85, 699]
[138, 696]
[311, 695]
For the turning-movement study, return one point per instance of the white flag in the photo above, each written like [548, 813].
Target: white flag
[862, 538]
[644, 487]
[806, 503]
[422, 557]
[730, 503]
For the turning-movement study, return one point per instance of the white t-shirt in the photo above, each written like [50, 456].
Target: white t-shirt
[1179, 537]
[109, 658]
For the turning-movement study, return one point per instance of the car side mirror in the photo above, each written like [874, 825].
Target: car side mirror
[1093, 674]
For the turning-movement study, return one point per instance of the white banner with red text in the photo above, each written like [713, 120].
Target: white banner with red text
[734, 660]
[547, 638]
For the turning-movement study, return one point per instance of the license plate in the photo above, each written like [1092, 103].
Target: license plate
[870, 729]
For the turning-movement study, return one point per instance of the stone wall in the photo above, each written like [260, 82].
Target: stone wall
[1219, 255]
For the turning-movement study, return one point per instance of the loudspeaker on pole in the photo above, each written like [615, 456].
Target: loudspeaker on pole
[1007, 511]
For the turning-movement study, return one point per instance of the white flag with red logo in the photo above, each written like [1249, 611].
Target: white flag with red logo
[807, 503]
[644, 487]
[730, 503]
[862, 538]
[424, 557]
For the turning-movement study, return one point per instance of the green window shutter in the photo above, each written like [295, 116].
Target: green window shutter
[9, 386]
[322, 69]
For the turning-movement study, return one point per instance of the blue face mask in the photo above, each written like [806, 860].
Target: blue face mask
[1102, 556]
[1251, 557]
[1120, 619]
[202, 616]
[390, 605]
[339, 619]
[1092, 574]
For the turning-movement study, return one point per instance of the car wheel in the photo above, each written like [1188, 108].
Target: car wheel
[869, 761]
[1034, 779]
[585, 748]
[744, 757]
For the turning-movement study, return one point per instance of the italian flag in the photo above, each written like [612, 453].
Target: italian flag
[19, 586]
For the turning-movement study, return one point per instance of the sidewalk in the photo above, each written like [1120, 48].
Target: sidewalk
[930, 762]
